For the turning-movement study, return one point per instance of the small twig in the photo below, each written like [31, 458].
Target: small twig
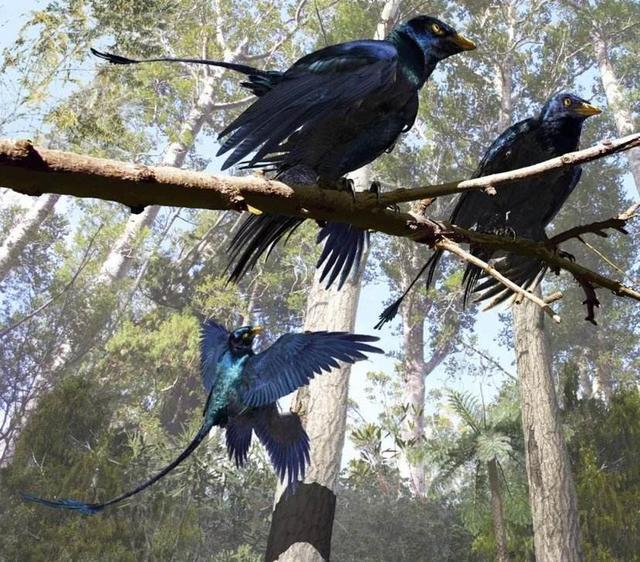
[616, 223]
[454, 248]
[553, 297]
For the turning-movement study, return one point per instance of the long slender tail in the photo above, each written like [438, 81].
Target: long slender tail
[343, 249]
[93, 508]
[258, 234]
[390, 312]
[242, 68]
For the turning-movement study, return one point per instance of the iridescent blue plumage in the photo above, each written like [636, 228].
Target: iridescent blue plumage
[242, 390]
[524, 208]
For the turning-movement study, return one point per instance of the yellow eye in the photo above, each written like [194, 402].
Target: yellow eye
[437, 29]
[567, 102]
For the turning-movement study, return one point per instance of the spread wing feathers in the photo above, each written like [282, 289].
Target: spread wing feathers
[332, 79]
[213, 341]
[522, 270]
[285, 440]
[294, 359]
[93, 508]
[238, 435]
[343, 249]
[257, 235]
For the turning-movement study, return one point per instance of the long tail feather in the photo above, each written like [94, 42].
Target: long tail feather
[390, 312]
[342, 253]
[93, 508]
[259, 234]
[242, 68]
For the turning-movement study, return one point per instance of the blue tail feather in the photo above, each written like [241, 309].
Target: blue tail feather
[344, 246]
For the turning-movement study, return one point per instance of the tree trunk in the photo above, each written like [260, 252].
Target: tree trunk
[552, 493]
[413, 312]
[22, 232]
[621, 113]
[119, 260]
[497, 512]
[302, 522]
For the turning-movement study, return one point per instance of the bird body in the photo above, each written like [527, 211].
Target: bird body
[332, 112]
[527, 206]
[243, 389]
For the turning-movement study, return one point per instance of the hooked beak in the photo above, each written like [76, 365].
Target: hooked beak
[588, 110]
[462, 42]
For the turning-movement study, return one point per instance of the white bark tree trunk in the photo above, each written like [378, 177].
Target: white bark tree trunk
[619, 109]
[23, 232]
[121, 257]
[302, 523]
[552, 493]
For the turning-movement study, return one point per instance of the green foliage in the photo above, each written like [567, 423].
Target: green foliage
[605, 449]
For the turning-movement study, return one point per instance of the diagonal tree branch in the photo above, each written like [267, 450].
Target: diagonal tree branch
[33, 170]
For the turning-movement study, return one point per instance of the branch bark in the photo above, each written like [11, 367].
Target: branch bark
[34, 170]
[31, 170]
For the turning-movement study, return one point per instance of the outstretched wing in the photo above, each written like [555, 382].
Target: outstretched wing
[332, 79]
[294, 359]
[213, 341]
[286, 441]
[238, 433]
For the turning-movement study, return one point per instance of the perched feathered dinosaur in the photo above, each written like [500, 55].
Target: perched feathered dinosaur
[330, 113]
[527, 206]
[243, 388]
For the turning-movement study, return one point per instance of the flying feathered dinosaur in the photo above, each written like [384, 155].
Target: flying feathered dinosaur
[527, 206]
[330, 113]
[243, 388]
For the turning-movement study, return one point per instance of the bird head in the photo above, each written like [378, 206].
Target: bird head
[242, 338]
[436, 38]
[565, 106]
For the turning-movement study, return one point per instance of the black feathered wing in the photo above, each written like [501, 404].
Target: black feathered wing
[330, 80]
[294, 359]
[526, 271]
[214, 339]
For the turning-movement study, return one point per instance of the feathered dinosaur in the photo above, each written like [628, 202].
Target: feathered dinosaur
[243, 388]
[527, 206]
[330, 113]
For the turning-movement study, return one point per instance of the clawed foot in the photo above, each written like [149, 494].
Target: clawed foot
[564, 255]
[346, 184]
[506, 231]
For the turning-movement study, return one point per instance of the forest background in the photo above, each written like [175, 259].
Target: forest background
[99, 308]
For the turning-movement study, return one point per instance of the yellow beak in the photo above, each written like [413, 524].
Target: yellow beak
[588, 109]
[464, 43]
[256, 330]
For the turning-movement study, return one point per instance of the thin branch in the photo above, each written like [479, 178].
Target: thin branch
[604, 148]
[616, 223]
[452, 247]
